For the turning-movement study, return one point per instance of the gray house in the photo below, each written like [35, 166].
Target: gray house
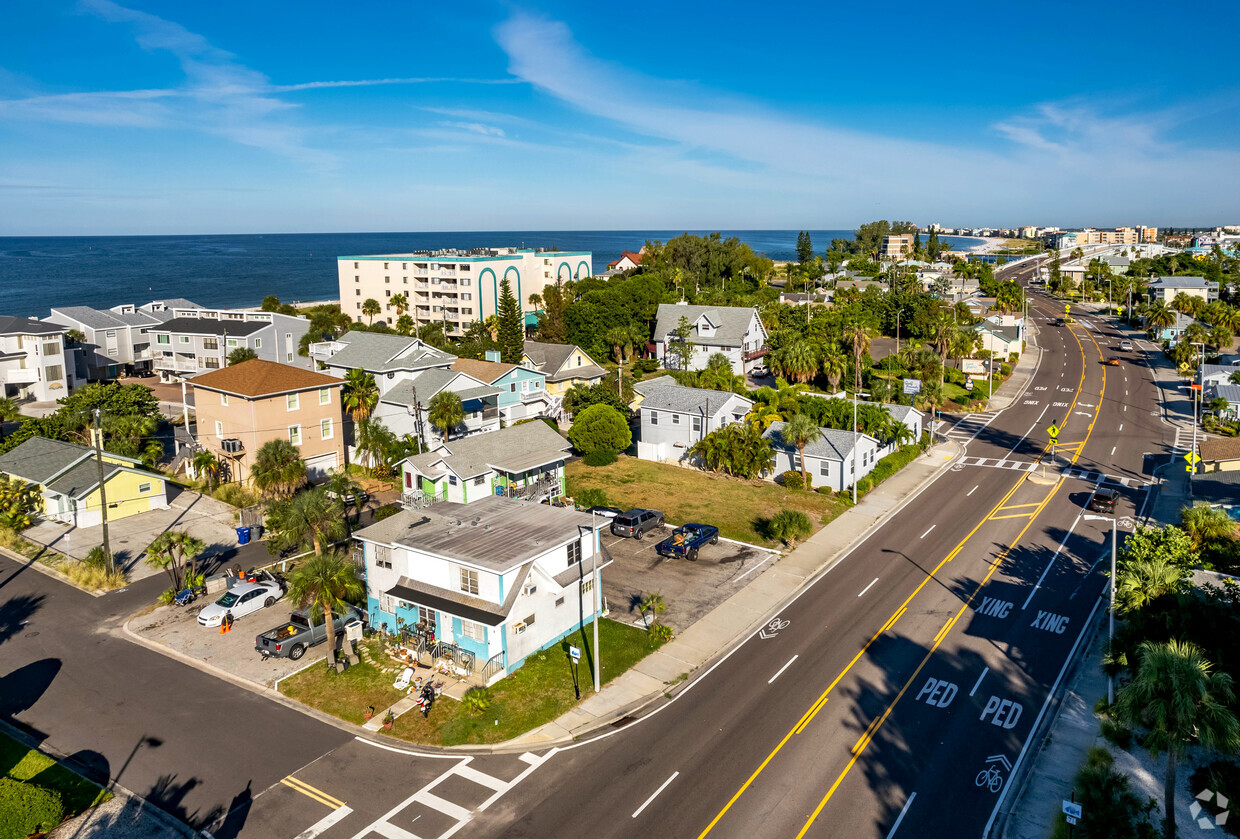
[116, 340]
[828, 460]
[672, 418]
[195, 340]
[736, 332]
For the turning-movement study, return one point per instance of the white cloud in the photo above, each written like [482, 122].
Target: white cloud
[477, 128]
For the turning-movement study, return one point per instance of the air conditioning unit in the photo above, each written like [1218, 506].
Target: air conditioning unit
[518, 627]
[231, 445]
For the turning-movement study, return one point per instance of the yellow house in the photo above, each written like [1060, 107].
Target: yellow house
[564, 365]
[68, 478]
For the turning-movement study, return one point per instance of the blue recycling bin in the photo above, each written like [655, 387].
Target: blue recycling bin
[243, 535]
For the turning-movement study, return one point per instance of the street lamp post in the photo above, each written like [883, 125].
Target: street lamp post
[1111, 632]
[1196, 389]
[856, 469]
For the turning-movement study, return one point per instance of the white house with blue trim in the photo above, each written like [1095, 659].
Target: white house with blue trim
[499, 578]
[454, 287]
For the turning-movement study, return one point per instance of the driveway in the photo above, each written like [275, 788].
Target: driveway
[690, 589]
[205, 518]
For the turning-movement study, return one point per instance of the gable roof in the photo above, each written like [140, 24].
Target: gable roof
[484, 371]
[684, 400]
[511, 449]
[832, 445]
[427, 384]
[635, 258]
[91, 318]
[377, 352]
[1007, 333]
[258, 377]
[1226, 448]
[212, 326]
[1229, 392]
[10, 325]
[731, 322]
[550, 359]
[62, 467]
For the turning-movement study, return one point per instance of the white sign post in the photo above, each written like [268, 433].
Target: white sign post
[1071, 811]
[575, 652]
[912, 387]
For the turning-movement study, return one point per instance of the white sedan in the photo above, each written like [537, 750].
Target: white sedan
[242, 599]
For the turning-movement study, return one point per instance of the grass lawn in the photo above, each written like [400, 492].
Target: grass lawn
[37, 793]
[733, 505]
[538, 693]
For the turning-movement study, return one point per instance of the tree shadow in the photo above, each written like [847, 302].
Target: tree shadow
[22, 688]
[16, 612]
[169, 795]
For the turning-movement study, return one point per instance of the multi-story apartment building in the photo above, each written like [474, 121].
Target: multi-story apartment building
[246, 405]
[897, 245]
[116, 341]
[453, 287]
[33, 361]
[1118, 236]
[194, 340]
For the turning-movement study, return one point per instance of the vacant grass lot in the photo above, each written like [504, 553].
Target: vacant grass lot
[538, 693]
[37, 793]
[735, 506]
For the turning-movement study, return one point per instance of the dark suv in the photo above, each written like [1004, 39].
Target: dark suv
[1104, 501]
[636, 522]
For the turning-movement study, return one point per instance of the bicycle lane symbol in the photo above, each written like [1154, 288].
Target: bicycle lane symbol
[991, 777]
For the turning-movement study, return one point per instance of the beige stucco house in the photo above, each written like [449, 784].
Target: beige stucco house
[241, 407]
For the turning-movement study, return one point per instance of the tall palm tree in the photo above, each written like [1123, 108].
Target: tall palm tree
[800, 431]
[1220, 338]
[405, 325]
[311, 517]
[348, 492]
[1206, 525]
[399, 302]
[859, 343]
[446, 412]
[370, 308]
[376, 441]
[1160, 315]
[206, 464]
[944, 334]
[1179, 698]
[796, 360]
[327, 581]
[360, 394]
[278, 469]
[171, 551]
[834, 363]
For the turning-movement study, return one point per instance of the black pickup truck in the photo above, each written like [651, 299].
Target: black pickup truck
[292, 638]
[687, 539]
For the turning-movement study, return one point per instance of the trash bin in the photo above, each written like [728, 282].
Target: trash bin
[256, 532]
[243, 535]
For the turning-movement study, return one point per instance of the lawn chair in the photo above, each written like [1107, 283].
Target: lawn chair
[403, 680]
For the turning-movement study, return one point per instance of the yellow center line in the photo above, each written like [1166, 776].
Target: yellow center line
[1018, 506]
[1013, 516]
[312, 792]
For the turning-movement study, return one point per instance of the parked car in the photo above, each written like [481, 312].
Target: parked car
[1104, 501]
[241, 600]
[357, 500]
[292, 638]
[605, 512]
[636, 523]
[688, 539]
[1126, 346]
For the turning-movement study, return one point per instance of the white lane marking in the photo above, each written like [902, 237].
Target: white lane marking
[1112, 450]
[781, 670]
[1055, 555]
[978, 683]
[927, 533]
[970, 492]
[1125, 407]
[900, 817]
[324, 823]
[1121, 426]
[656, 794]
[867, 588]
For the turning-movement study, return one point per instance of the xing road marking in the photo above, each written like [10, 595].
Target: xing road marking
[872, 582]
[312, 792]
[927, 533]
[325, 823]
[978, 683]
[656, 794]
[770, 681]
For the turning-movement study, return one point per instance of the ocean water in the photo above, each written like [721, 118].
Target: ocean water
[37, 273]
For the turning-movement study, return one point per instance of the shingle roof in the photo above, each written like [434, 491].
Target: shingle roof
[380, 353]
[1227, 448]
[1209, 371]
[27, 326]
[550, 358]
[1178, 282]
[82, 478]
[1229, 392]
[211, 326]
[646, 387]
[833, 445]
[1007, 333]
[508, 449]
[92, 318]
[258, 377]
[1219, 487]
[730, 322]
[62, 467]
[497, 534]
[483, 371]
[685, 400]
[427, 383]
[177, 303]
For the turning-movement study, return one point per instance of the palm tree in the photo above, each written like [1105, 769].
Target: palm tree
[796, 360]
[1206, 525]
[1139, 583]
[1160, 316]
[1220, 338]
[399, 302]
[761, 415]
[654, 604]
[241, 354]
[1179, 699]
[446, 412]
[370, 308]
[834, 363]
[1188, 304]
[405, 325]
[348, 492]
[360, 394]
[800, 431]
[859, 343]
[311, 517]
[170, 552]
[944, 333]
[376, 440]
[9, 412]
[328, 581]
[206, 464]
[278, 469]
[1196, 334]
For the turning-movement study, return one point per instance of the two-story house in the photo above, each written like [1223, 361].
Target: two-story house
[498, 578]
[34, 363]
[196, 340]
[522, 390]
[673, 418]
[1165, 289]
[408, 374]
[239, 408]
[115, 341]
[829, 460]
[736, 332]
[521, 461]
[562, 365]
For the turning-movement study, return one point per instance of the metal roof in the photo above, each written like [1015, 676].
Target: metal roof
[512, 449]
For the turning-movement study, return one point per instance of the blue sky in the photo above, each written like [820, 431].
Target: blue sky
[312, 116]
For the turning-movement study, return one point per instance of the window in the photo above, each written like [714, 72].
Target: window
[325, 396]
[465, 280]
[56, 372]
[427, 616]
[51, 349]
[258, 343]
[224, 399]
[210, 343]
[184, 339]
[289, 357]
[404, 266]
[469, 580]
[383, 556]
[452, 480]
[559, 601]
[654, 417]
[326, 430]
[385, 266]
[480, 480]
[294, 434]
[697, 425]
[357, 292]
[288, 336]
[473, 631]
[529, 621]
[824, 469]
[675, 419]
[163, 339]
[587, 585]
[144, 488]
[467, 296]
[219, 429]
[354, 264]
[293, 401]
[512, 388]
[111, 333]
[574, 552]
[212, 363]
[230, 343]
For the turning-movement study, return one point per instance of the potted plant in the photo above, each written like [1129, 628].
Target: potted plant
[369, 712]
[389, 719]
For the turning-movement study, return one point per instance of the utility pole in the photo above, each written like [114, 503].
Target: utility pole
[103, 495]
[597, 595]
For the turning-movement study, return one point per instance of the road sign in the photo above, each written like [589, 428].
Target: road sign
[1053, 432]
[912, 387]
[1193, 457]
[1183, 366]
[1192, 470]
[1067, 307]
[973, 366]
[575, 654]
[1072, 809]
[968, 385]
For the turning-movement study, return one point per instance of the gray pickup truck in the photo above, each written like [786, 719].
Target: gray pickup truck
[292, 638]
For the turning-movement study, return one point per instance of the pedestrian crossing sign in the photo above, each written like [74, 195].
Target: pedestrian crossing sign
[1067, 307]
[1192, 470]
[1053, 432]
[1193, 457]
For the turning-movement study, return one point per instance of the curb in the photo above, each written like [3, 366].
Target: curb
[48, 571]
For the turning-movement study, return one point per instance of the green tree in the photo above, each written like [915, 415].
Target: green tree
[399, 302]
[359, 394]
[9, 412]
[654, 604]
[446, 412]
[206, 465]
[737, 449]
[405, 325]
[241, 354]
[370, 308]
[805, 247]
[679, 348]
[834, 363]
[309, 518]
[1206, 526]
[800, 431]
[1168, 544]
[859, 342]
[511, 327]
[1138, 583]
[1160, 316]
[556, 299]
[378, 444]
[19, 502]
[1179, 699]
[600, 427]
[271, 303]
[329, 582]
[348, 492]
[795, 360]
[278, 469]
[175, 552]
[579, 397]
[788, 526]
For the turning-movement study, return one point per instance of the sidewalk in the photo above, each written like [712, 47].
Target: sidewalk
[734, 620]
[1023, 373]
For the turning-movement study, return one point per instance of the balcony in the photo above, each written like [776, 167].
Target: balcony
[143, 353]
[323, 350]
[761, 351]
[175, 365]
[22, 375]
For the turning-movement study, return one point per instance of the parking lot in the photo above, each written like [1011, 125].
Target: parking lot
[690, 589]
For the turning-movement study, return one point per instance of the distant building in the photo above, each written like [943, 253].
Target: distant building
[562, 365]
[1001, 341]
[1149, 234]
[1165, 289]
[1222, 455]
[34, 363]
[522, 390]
[195, 340]
[627, 262]
[829, 460]
[736, 332]
[453, 287]
[116, 341]
[897, 245]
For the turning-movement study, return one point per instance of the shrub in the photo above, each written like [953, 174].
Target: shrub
[94, 578]
[644, 366]
[788, 526]
[27, 808]
[660, 633]
[600, 427]
[386, 511]
[823, 490]
[476, 701]
[235, 495]
[600, 457]
[96, 558]
[1109, 807]
[592, 497]
[1005, 370]
[792, 479]
[1118, 734]
[954, 376]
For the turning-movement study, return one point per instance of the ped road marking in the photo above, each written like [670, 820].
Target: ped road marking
[638, 812]
[768, 681]
[312, 792]
[970, 492]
